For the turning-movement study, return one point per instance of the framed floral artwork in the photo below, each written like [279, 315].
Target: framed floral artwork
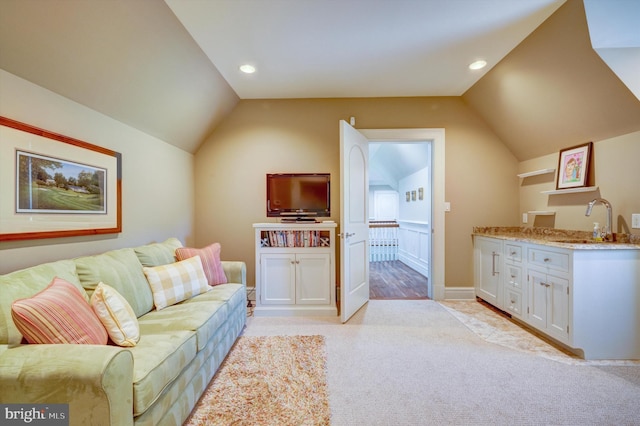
[573, 166]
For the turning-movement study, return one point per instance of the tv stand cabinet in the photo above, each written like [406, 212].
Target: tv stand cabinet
[295, 269]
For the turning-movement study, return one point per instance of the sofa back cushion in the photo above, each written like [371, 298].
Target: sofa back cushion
[121, 270]
[157, 254]
[25, 283]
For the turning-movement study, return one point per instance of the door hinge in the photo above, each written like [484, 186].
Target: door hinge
[567, 291]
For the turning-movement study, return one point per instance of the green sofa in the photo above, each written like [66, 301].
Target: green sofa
[156, 382]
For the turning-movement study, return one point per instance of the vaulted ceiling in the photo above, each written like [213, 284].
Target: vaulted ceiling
[357, 48]
[170, 68]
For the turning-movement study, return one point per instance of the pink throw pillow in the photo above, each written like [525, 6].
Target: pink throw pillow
[211, 263]
[58, 314]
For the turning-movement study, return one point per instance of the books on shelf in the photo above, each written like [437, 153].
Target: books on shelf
[288, 238]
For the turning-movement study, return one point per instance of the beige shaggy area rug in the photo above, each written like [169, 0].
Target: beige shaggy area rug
[268, 380]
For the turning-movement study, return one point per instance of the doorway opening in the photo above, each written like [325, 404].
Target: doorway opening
[400, 206]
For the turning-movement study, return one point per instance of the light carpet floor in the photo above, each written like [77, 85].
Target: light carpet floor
[415, 363]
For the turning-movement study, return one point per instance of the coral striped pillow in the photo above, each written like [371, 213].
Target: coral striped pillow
[176, 282]
[58, 314]
[211, 263]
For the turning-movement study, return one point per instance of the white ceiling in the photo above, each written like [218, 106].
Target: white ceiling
[391, 162]
[615, 36]
[357, 48]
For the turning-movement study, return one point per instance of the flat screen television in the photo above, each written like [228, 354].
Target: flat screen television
[298, 195]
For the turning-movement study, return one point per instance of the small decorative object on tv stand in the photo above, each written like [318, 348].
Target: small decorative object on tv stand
[295, 269]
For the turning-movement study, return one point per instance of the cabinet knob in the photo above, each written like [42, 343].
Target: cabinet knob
[546, 259]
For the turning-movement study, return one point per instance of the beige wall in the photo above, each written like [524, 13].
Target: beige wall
[262, 136]
[616, 174]
[553, 90]
[157, 194]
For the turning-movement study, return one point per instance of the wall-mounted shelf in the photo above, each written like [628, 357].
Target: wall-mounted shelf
[536, 173]
[542, 212]
[571, 190]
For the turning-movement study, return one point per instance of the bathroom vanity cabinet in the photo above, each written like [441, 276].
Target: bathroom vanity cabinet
[584, 296]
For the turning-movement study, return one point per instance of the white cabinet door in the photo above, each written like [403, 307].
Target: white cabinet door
[488, 266]
[549, 304]
[558, 323]
[278, 279]
[313, 283]
[537, 313]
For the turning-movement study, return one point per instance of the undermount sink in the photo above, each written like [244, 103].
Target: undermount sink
[579, 241]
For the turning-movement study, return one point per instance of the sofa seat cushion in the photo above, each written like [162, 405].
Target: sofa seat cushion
[203, 319]
[158, 359]
[121, 270]
[233, 294]
[25, 283]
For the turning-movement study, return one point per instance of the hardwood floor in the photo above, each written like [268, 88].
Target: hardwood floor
[395, 280]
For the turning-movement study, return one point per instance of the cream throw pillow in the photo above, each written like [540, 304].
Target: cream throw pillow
[176, 282]
[116, 315]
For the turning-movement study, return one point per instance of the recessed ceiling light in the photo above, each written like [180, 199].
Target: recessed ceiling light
[247, 69]
[479, 64]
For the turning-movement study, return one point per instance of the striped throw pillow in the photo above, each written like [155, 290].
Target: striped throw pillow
[176, 282]
[211, 263]
[58, 314]
[116, 315]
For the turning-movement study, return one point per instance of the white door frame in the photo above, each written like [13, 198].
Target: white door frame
[437, 138]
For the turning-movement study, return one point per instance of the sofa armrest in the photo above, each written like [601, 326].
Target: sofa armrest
[235, 271]
[96, 381]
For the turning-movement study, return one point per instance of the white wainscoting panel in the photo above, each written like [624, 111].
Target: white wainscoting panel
[414, 245]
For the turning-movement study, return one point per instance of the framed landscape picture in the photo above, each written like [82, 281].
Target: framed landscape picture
[53, 185]
[573, 166]
[56, 186]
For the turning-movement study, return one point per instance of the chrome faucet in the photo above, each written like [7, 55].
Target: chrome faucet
[607, 229]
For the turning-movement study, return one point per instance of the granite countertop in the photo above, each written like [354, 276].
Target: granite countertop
[580, 240]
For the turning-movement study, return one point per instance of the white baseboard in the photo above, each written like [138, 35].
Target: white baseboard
[459, 293]
[414, 263]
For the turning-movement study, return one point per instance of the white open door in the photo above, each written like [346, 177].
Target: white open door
[354, 221]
